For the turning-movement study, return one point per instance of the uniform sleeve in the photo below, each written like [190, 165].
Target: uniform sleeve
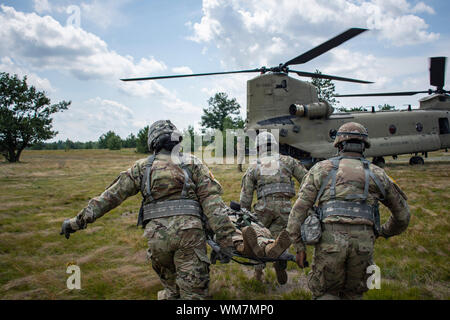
[396, 202]
[125, 185]
[300, 210]
[298, 170]
[248, 187]
[209, 193]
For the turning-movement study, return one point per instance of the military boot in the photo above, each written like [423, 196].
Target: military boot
[280, 270]
[251, 246]
[275, 249]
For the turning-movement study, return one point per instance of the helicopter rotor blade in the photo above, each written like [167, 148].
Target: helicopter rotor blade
[191, 75]
[326, 46]
[404, 93]
[326, 76]
[437, 71]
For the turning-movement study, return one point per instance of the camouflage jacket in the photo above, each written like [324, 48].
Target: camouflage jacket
[167, 181]
[350, 179]
[269, 171]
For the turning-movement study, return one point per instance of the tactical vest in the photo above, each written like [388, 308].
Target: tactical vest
[265, 189]
[152, 209]
[349, 208]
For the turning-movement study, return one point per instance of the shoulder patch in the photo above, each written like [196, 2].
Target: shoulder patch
[392, 179]
[397, 187]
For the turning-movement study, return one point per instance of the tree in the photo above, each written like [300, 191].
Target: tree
[325, 89]
[130, 141]
[114, 142]
[386, 107]
[110, 140]
[353, 109]
[25, 116]
[141, 141]
[221, 108]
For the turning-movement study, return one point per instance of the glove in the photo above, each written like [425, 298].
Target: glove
[66, 229]
[300, 258]
[226, 254]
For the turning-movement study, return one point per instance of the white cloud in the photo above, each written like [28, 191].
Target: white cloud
[42, 6]
[422, 7]
[254, 32]
[182, 70]
[89, 119]
[104, 13]
[42, 43]
[7, 65]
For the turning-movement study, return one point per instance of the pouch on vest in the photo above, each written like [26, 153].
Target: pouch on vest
[311, 229]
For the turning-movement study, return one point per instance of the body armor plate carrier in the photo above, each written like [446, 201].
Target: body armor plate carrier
[350, 208]
[166, 208]
[272, 188]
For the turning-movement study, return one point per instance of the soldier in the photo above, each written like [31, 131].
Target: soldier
[178, 190]
[346, 189]
[271, 177]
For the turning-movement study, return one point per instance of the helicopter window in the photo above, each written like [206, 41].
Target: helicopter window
[419, 127]
[283, 132]
[332, 134]
[283, 85]
[444, 126]
[392, 129]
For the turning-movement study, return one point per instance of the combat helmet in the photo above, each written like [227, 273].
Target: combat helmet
[352, 131]
[265, 138]
[158, 129]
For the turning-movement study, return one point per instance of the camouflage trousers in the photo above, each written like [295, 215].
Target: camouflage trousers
[177, 250]
[273, 212]
[340, 261]
[264, 235]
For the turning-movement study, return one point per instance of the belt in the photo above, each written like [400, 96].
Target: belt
[346, 209]
[346, 227]
[272, 188]
[171, 208]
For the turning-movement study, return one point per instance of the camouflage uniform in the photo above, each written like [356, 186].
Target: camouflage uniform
[273, 209]
[271, 177]
[263, 234]
[177, 244]
[346, 247]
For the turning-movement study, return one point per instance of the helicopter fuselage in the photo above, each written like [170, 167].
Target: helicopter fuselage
[307, 126]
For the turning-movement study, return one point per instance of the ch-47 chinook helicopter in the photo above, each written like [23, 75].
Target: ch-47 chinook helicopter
[413, 131]
[307, 126]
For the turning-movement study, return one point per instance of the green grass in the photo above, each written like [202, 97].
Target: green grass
[50, 186]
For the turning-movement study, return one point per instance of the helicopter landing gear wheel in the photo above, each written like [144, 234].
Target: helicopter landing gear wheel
[379, 161]
[416, 160]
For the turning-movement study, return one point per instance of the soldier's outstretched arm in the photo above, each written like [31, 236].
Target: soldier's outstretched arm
[298, 170]
[248, 187]
[305, 201]
[396, 202]
[124, 186]
[209, 193]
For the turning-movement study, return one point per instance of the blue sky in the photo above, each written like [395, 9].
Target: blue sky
[125, 38]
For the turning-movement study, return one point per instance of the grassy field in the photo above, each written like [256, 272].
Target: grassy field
[37, 194]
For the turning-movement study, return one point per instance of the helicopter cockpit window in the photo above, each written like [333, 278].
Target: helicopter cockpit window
[332, 134]
[392, 129]
[419, 127]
